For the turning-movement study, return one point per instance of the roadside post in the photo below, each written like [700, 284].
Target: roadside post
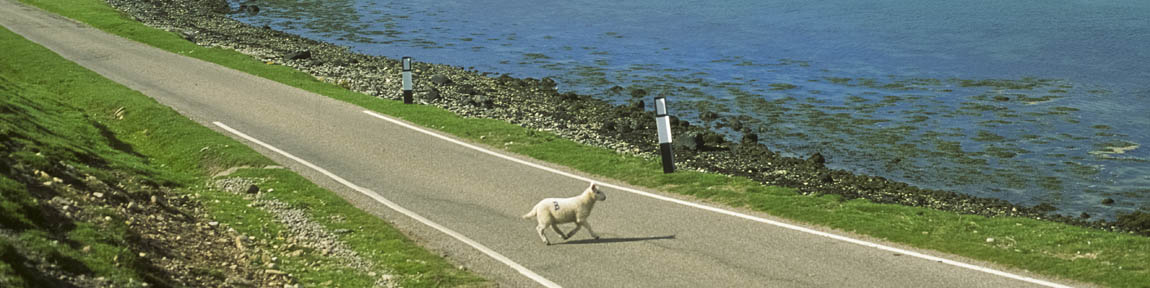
[407, 80]
[664, 124]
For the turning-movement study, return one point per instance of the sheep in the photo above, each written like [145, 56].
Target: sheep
[555, 211]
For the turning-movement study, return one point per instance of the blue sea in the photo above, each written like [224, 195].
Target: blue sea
[1028, 101]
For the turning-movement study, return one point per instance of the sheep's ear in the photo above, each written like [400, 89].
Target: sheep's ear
[593, 186]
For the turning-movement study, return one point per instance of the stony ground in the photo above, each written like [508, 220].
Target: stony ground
[535, 103]
[176, 241]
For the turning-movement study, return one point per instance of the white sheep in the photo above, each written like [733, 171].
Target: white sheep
[555, 211]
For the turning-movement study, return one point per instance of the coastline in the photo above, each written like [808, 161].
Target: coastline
[535, 104]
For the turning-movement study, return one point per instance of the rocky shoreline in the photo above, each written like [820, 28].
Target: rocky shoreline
[536, 104]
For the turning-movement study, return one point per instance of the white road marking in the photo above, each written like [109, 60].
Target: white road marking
[400, 209]
[731, 213]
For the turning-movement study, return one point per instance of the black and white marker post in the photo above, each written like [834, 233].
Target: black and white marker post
[664, 124]
[407, 80]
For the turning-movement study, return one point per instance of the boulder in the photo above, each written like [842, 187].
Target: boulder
[638, 105]
[712, 139]
[547, 82]
[300, 55]
[480, 101]
[189, 35]
[638, 93]
[825, 178]
[750, 138]
[431, 95]
[817, 159]
[691, 141]
[708, 116]
[441, 80]
[467, 90]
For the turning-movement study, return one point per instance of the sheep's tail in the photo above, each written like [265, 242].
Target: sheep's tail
[529, 215]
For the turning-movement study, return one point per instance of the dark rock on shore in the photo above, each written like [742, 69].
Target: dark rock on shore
[535, 104]
[1138, 222]
[691, 142]
[638, 93]
[301, 55]
[638, 105]
[750, 138]
[431, 95]
[250, 9]
[817, 159]
[708, 116]
[441, 80]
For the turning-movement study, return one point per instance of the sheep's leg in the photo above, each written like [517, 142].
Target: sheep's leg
[588, 225]
[539, 229]
[572, 233]
[560, 232]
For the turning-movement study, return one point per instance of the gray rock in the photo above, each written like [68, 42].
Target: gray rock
[253, 189]
[817, 159]
[691, 141]
[825, 178]
[250, 9]
[735, 123]
[750, 138]
[637, 93]
[441, 80]
[480, 101]
[300, 55]
[638, 105]
[708, 116]
[189, 35]
[467, 89]
[431, 95]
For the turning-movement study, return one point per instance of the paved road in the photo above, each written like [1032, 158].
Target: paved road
[646, 242]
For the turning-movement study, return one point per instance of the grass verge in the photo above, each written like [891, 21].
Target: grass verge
[1113, 259]
[85, 119]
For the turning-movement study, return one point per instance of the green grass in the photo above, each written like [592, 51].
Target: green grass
[1113, 259]
[177, 152]
[36, 132]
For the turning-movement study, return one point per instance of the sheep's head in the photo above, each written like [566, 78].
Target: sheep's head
[596, 193]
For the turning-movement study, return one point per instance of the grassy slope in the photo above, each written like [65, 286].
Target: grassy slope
[27, 145]
[183, 153]
[1114, 259]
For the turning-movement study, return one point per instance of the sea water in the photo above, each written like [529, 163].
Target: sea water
[1031, 101]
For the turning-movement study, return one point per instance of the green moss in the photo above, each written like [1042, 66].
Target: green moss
[987, 136]
[1025, 84]
[837, 80]
[917, 118]
[782, 86]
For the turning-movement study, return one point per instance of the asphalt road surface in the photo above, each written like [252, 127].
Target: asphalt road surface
[476, 199]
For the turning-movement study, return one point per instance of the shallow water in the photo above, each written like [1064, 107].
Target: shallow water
[1028, 101]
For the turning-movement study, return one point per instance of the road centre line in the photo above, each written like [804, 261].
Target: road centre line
[373, 195]
[731, 213]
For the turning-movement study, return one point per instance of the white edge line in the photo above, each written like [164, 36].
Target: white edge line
[369, 193]
[731, 213]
